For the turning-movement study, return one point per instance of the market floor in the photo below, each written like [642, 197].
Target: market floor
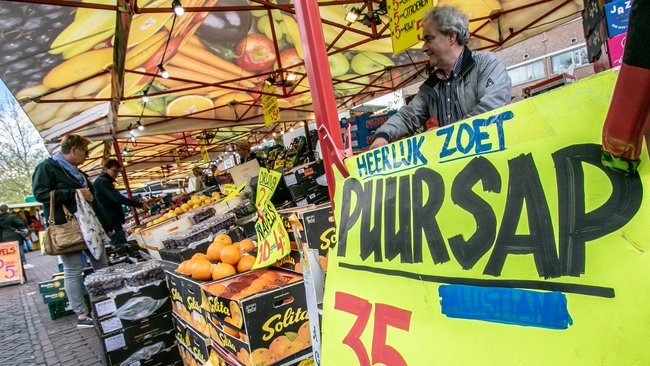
[27, 334]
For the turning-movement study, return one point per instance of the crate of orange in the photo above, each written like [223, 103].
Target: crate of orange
[260, 316]
[222, 259]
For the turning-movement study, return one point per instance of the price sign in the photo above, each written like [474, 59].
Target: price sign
[266, 183]
[204, 154]
[227, 188]
[177, 160]
[273, 240]
[406, 22]
[236, 191]
[270, 105]
[10, 264]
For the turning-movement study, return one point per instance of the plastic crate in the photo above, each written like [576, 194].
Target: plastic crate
[62, 308]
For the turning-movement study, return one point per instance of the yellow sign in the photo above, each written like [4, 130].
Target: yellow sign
[10, 265]
[234, 192]
[271, 234]
[177, 160]
[273, 240]
[270, 105]
[406, 22]
[500, 240]
[227, 188]
[267, 181]
[204, 154]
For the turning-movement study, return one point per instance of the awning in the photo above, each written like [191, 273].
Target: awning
[83, 66]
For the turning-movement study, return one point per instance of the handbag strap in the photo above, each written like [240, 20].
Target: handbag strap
[67, 213]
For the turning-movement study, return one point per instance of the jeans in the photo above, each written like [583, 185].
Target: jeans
[119, 237]
[21, 249]
[72, 274]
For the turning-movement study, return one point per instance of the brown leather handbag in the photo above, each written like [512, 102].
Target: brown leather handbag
[63, 238]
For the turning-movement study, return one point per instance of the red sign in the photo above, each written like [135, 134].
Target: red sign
[10, 264]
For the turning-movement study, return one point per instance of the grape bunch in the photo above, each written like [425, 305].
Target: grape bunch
[144, 273]
[26, 32]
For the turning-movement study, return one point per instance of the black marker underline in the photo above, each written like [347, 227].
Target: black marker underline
[528, 284]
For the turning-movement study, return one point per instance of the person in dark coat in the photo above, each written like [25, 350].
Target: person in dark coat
[110, 201]
[10, 227]
[60, 174]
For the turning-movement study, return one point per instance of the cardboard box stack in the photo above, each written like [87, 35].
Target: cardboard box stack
[307, 184]
[132, 313]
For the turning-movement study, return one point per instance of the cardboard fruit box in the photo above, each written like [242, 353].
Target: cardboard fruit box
[130, 306]
[197, 343]
[117, 351]
[188, 301]
[259, 316]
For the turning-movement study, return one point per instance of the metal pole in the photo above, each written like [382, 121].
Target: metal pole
[118, 156]
[320, 80]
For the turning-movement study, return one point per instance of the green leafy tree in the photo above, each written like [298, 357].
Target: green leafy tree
[21, 149]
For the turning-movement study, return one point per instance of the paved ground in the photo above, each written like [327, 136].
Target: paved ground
[27, 334]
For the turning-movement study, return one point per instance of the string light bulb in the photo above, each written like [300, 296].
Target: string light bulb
[132, 138]
[352, 15]
[163, 72]
[302, 124]
[140, 126]
[178, 8]
[291, 129]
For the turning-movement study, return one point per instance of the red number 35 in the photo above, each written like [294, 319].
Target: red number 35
[385, 315]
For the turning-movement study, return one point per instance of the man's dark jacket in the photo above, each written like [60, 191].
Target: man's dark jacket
[49, 175]
[9, 223]
[110, 201]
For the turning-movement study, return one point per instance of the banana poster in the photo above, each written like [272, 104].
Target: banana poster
[500, 240]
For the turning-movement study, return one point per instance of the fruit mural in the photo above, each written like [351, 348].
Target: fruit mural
[56, 61]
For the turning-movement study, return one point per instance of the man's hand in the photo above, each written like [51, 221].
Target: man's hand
[379, 141]
[87, 195]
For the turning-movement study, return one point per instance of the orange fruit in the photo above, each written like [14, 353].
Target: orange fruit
[270, 276]
[191, 104]
[298, 267]
[246, 246]
[279, 346]
[228, 329]
[230, 254]
[222, 270]
[263, 357]
[182, 268]
[245, 263]
[222, 238]
[200, 255]
[214, 251]
[216, 288]
[303, 334]
[201, 269]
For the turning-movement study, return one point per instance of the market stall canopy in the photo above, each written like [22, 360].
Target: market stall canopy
[84, 66]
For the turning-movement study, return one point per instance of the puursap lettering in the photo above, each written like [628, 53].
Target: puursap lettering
[277, 322]
[400, 156]
[376, 201]
[217, 306]
[470, 139]
[268, 180]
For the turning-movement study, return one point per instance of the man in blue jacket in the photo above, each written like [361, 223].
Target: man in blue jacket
[463, 83]
[110, 201]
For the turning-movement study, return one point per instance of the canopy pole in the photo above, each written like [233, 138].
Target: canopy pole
[320, 82]
[118, 156]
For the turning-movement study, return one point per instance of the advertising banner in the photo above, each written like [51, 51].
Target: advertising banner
[499, 240]
[10, 264]
[271, 234]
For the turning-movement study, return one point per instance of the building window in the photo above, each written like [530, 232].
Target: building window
[563, 61]
[527, 73]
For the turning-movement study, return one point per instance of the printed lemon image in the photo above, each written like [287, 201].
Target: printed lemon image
[191, 104]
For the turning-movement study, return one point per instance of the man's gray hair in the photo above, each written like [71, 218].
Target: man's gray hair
[449, 20]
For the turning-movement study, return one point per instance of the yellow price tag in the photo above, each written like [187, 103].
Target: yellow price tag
[272, 237]
[227, 188]
[235, 192]
[266, 183]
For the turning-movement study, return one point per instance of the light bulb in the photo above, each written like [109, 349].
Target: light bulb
[132, 138]
[178, 9]
[140, 127]
[145, 99]
[164, 74]
[302, 124]
[132, 132]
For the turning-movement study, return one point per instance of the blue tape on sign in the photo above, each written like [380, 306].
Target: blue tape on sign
[506, 305]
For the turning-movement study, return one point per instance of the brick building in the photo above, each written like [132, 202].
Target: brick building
[547, 54]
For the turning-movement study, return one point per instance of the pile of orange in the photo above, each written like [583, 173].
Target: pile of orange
[222, 259]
